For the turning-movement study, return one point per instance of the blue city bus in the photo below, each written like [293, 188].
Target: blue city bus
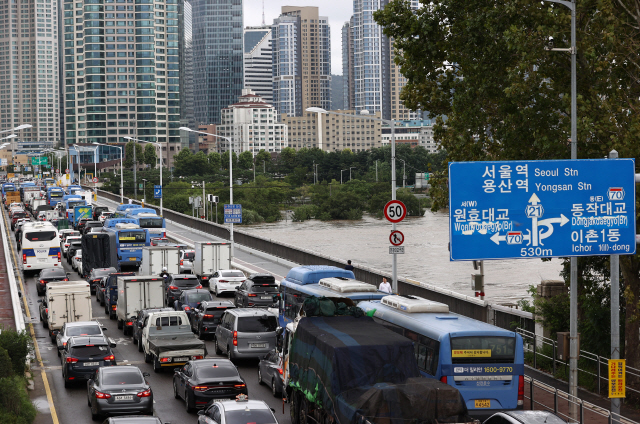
[484, 362]
[73, 188]
[49, 182]
[8, 187]
[54, 195]
[70, 201]
[321, 280]
[130, 240]
[149, 219]
[112, 222]
[122, 212]
[123, 207]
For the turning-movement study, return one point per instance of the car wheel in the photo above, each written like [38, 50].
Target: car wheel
[218, 351]
[148, 358]
[106, 311]
[94, 413]
[120, 324]
[156, 365]
[187, 406]
[88, 401]
[274, 390]
[139, 345]
[229, 354]
[260, 376]
[67, 383]
[175, 390]
[200, 334]
[59, 355]
[45, 324]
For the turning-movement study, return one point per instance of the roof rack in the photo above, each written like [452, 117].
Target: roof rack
[346, 285]
[413, 304]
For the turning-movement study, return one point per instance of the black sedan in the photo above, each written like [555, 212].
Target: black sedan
[119, 390]
[270, 372]
[83, 355]
[48, 275]
[91, 224]
[71, 250]
[100, 288]
[179, 282]
[191, 298]
[203, 380]
[206, 317]
[96, 275]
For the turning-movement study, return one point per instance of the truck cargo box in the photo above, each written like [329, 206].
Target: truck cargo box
[99, 250]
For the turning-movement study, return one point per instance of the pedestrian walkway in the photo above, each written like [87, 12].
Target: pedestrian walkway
[7, 319]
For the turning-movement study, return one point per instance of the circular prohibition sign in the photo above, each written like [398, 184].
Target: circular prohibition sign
[395, 211]
[396, 238]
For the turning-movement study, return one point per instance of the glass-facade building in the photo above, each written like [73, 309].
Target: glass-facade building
[121, 71]
[218, 53]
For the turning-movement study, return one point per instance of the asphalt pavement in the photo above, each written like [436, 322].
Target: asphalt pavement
[71, 404]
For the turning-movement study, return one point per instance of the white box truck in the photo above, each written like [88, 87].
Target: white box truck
[154, 258]
[210, 257]
[67, 302]
[136, 293]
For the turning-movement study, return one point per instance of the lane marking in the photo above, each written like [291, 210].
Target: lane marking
[47, 389]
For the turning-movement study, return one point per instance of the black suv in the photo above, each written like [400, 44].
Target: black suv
[96, 275]
[81, 224]
[71, 250]
[83, 355]
[206, 317]
[91, 224]
[257, 291]
[178, 282]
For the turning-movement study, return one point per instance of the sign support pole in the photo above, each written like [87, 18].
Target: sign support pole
[573, 307]
[394, 264]
[615, 316]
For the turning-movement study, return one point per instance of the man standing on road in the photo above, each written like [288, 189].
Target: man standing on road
[385, 286]
[349, 267]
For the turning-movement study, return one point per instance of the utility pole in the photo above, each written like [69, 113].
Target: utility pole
[204, 201]
[135, 169]
[376, 171]
[615, 316]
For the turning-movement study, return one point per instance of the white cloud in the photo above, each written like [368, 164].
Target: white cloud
[338, 12]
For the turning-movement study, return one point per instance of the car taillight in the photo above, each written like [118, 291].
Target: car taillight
[198, 357]
[444, 379]
[181, 262]
[205, 278]
[252, 295]
[129, 323]
[207, 316]
[280, 371]
[43, 282]
[24, 258]
[146, 393]
[200, 388]
[110, 358]
[242, 281]
[65, 279]
[173, 288]
[187, 308]
[199, 286]
[59, 257]
[46, 310]
[222, 281]
[521, 390]
[113, 307]
[235, 338]
[100, 395]
[165, 359]
[71, 360]
[238, 386]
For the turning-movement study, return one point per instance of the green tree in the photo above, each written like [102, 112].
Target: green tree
[128, 154]
[506, 98]
[150, 157]
[245, 160]
[225, 160]
[263, 156]
[200, 164]
[183, 163]
[214, 161]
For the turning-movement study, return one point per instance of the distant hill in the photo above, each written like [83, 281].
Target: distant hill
[337, 101]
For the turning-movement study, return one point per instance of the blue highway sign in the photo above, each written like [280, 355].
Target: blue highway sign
[157, 191]
[541, 209]
[233, 214]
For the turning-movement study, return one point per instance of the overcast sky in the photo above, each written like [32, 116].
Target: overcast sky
[338, 12]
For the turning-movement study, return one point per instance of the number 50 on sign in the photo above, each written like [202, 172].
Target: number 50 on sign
[395, 211]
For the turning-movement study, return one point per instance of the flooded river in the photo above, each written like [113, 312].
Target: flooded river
[426, 259]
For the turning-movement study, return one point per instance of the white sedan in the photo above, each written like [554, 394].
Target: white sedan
[76, 261]
[226, 281]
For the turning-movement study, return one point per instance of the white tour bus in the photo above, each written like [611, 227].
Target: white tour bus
[40, 246]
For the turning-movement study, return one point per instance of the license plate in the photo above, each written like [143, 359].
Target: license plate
[266, 297]
[483, 403]
[129, 397]
[258, 345]
[90, 364]
[42, 260]
[181, 359]
[132, 259]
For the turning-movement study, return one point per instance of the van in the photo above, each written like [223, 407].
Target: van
[40, 247]
[246, 333]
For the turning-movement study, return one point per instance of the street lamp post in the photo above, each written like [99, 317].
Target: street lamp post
[573, 295]
[394, 266]
[404, 172]
[350, 168]
[144, 190]
[228, 139]
[341, 174]
[161, 160]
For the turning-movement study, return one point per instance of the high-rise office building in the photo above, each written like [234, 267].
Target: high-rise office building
[348, 88]
[29, 85]
[122, 72]
[187, 117]
[301, 60]
[218, 53]
[258, 61]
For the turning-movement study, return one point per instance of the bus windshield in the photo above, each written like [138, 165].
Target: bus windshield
[132, 236]
[56, 194]
[485, 349]
[72, 205]
[151, 222]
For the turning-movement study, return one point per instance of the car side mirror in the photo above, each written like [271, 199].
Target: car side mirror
[39, 300]
[61, 347]
[146, 374]
[201, 412]
[104, 328]
[237, 287]
[113, 344]
[90, 382]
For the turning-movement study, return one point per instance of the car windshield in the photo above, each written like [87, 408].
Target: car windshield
[119, 378]
[41, 236]
[72, 205]
[257, 324]
[250, 416]
[189, 255]
[185, 282]
[198, 297]
[231, 274]
[216, 371]
[103, 272]
[264, 288]
[53, 273]
[83, 330]
[90, 351]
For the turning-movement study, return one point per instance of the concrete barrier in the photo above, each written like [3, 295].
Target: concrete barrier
[461, 304]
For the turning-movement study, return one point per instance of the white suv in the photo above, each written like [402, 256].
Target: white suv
[226, 281]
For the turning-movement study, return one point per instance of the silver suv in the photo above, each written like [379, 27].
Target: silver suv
[246, 333]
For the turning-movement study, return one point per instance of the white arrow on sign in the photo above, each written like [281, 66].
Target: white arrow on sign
[497, 238]
[534, 200]
[549, 224]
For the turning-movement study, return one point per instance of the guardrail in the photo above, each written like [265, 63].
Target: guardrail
[535, 344]
[464, 305]
[13, 285]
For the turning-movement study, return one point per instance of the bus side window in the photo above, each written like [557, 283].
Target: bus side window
[421, 356]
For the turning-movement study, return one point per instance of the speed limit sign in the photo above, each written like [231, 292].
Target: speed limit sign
[395, 211]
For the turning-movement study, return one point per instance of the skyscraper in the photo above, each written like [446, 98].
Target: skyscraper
[301, 60]
[348, 88]
[127, 82]
[218, 49]
[258, 62]
[29, 85]
[187, 117]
